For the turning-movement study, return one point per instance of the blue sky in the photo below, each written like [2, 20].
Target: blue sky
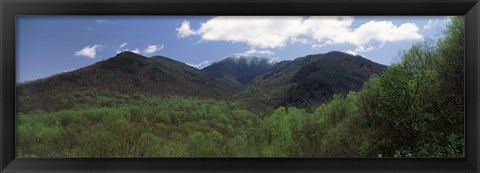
[48, 45]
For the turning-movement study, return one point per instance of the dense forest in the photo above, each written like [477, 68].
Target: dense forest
[414, 108]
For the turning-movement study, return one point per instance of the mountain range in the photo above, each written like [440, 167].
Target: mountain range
[307, 80]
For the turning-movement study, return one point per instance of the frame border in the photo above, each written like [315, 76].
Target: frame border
[9, 9]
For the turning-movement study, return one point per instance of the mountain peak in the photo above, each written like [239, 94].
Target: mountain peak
[239, 56]
[240, 69]
[248, 59]
[127, 53]
[311, 79]
[340, 53]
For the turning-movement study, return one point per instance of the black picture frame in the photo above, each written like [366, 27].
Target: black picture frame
[9, 9]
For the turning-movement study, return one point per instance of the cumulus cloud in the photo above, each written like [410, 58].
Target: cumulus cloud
[263, 32]
[294, 40]
[328, 29]
[184, 30]
[339, 31]
[152, 49]
[202, 64]
[255, 52]
[273, 32]
[123, 45]
[89, 51]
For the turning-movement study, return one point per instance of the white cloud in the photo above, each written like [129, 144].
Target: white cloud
[152, 49]
[123, 45]
[202, 64]
[252, 52]
[100, 21]
[328, 29]
[351, 52]
[89, 51]
[263, 32]
[255, 52]
[272, 32]
[148, 50]
[334, 31]
[136, 50]
[184, 30]
[315, 46]
[273, 60]
[294, 40]
[359, 50]
[267, 54]
[105, 21]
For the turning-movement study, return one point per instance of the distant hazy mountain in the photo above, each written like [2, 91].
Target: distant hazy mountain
[310, 80]
[240, 69]
[128, 72]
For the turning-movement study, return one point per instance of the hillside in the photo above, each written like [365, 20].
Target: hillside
[310, 80]
[127, 72]
[304, 82]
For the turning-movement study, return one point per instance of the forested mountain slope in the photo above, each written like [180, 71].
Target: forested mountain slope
[311, 80]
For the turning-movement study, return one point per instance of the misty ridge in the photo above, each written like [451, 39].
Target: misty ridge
[332, 104]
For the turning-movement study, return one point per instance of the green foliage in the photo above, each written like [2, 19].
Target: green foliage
[137, 126]
[413, 109]
[210, 144]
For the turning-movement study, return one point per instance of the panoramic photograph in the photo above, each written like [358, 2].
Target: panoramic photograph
[240, 86]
